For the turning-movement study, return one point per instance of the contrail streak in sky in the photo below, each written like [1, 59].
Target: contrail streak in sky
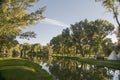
[55, 22]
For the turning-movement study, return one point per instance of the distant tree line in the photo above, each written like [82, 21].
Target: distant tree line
[27, 50]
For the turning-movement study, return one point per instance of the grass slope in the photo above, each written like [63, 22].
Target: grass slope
[21, 69]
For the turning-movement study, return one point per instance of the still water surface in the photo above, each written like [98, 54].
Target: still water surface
[64, 69]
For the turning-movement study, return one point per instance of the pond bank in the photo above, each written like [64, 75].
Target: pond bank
[102, 63]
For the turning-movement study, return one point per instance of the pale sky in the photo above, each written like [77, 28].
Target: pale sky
[61, 14]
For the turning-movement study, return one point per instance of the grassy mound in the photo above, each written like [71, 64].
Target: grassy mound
[21, 69]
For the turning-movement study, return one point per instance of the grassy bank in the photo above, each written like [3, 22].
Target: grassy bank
[102, 63]
[21, 69]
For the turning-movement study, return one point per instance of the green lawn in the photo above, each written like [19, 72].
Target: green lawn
[103, 63]
[21, 69]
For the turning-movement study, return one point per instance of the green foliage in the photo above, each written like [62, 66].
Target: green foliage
[56, 43]
[84, 38]
[27, 35]
[14, 17]
[113, 6]
[30, 51]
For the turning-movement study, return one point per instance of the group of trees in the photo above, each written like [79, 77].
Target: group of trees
[84, 38]
[113, 6]
[27, 50]
[14, 17]
[89, 37]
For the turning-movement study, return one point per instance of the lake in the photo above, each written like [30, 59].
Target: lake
[66, 69]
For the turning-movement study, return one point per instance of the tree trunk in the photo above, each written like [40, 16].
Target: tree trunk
[21, 54]
[116, 17]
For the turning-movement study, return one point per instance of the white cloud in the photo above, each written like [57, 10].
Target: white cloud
[55, 22]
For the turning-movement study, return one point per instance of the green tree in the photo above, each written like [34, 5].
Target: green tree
[79, 36]
[67, 41]
[35, 50]
[112, 6]
[84, 38]
[107, 46]
[6, 42]
[14, 17]
[56, 44]
[101, 29]
[25, 49]
[36, 47]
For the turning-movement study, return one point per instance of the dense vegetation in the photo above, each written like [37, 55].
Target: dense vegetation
[27, 50]
[84, 38]
[13, 18]
[89, 37]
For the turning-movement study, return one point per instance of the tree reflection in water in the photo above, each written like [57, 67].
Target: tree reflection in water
[63, 69]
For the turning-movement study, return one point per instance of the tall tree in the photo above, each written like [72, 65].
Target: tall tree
[84, 38]
[56, 43]
[112, 6]
[35, 50]
[101, 29]
[14, 17]
[67, 42]
[79, 36]
[26, 48]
